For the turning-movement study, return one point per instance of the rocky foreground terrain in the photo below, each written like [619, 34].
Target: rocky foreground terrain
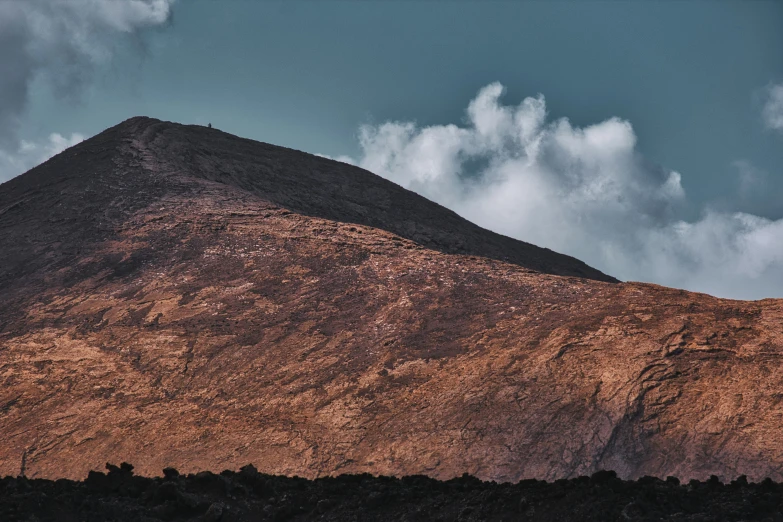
[174, 296]
[247, 496]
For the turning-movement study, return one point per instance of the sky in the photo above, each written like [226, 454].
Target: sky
[644, 137]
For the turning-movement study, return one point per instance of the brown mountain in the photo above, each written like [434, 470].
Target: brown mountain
[176, 296]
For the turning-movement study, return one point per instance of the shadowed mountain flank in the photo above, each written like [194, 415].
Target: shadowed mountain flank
[139, 160]
[175, 296]
[323, 188]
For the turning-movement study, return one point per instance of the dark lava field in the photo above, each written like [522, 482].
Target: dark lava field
[248, 495]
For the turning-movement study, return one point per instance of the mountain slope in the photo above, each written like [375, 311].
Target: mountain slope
[132, 164]
[175, 296]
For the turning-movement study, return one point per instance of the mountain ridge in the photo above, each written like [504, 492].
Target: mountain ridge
[363, 205]
[159, 303]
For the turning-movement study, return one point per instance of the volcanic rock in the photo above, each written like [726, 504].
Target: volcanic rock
[121, 496]
[177, 297]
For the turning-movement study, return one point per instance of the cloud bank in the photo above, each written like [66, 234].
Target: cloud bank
[60, 42]
[586, 192]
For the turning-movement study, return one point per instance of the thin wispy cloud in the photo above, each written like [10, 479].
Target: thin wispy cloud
[29, 154]
[773, 107]
[584, 191]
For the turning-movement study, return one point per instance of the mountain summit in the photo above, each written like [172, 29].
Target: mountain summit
[157, 159]
[176, 296]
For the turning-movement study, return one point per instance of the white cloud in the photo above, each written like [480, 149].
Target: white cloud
[584, 191]
[30, 154]
[773, 108]
[60, 42]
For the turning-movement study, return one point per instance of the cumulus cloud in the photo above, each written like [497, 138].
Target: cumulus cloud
[773, 108]
[584, 191]
[60, 42]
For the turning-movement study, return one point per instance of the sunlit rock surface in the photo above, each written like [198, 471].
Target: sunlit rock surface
[174, 296]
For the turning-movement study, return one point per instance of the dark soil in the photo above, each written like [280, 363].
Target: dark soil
[174, 296]
[248, 495]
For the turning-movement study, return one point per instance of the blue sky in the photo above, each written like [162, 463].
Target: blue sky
[691, 84]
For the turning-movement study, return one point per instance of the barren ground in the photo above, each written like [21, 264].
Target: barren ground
[174, 296]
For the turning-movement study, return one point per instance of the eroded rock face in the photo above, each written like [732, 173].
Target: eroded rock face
[175, 296]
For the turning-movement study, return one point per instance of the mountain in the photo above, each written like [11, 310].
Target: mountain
[247, 495]
[176, 296]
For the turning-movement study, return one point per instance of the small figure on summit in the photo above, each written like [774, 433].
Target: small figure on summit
[209, 125]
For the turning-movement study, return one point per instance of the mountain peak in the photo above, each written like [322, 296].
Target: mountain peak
[320, 187]
[180, 297]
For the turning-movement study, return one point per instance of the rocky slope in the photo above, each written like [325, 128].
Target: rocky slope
[175, 296]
